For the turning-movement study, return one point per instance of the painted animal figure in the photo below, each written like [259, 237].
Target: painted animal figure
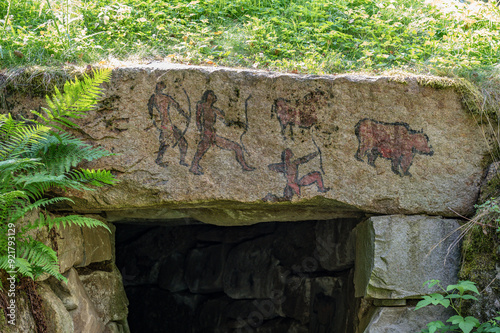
[302, 113]
[393, 141]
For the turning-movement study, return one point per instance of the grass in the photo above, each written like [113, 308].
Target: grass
[313, 36]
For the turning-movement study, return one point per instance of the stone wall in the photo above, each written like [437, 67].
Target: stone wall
[93, 299]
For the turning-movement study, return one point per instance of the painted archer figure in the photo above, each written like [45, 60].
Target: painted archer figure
[290, 169]
[206, 116]
[170, 134]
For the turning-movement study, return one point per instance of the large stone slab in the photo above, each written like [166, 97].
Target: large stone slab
[396, 254]
[229, 146]
[70, 245]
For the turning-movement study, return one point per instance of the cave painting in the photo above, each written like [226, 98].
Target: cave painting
[302, 113]
[392, 141]
[170, 134]
[206, 116]
[289, 167]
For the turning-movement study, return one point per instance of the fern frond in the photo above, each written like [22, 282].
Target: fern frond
[79, 97]
[37, 184]
[16, 136]
[94, 177]
[10, 203]
[23, 267]
[4, 262]
[40, 257]
[63, 221]
[41, 203]
[16, 165]
[60, 152]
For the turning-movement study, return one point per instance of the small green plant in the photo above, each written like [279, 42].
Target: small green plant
[454, 296]
[488, 214]
[38, 155]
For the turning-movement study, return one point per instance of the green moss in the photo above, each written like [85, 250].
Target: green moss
[491, 190]
[479, 256]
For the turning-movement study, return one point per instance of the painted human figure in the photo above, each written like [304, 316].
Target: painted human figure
[170, 134]
[206, 116]
[290, 168]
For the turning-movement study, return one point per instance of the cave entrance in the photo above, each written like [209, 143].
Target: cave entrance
[268, 277]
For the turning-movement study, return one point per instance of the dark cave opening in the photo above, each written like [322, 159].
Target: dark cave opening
[268, 277]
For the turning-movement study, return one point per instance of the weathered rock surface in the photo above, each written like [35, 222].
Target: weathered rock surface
[70, 247]
[23, 319]
[57, 316]
[96, 245]
[251, 271]
[330, 146]
[406, 319]
[85, 316]
[81, 246]
[396, 254]
[205, 268]
[105, 290]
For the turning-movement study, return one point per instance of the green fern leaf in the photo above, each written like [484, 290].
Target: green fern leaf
[16, 136]
[94, 177]
[63, 221]
[41, 203]
[80, 96]
[40, 257]
[60, 152]
[24, 267]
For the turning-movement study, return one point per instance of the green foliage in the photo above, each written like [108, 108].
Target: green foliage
[36, 156]
[59, 152]
[489, 213]
[79, 97]
[315, 36]
[454, 295]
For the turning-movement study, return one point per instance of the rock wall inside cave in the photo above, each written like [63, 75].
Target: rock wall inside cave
[275, 277]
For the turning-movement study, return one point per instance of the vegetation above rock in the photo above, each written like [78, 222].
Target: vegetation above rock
[293, 35]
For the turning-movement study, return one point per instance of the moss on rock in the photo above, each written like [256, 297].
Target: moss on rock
[479, 256]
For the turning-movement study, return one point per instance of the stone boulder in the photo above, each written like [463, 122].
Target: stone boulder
[328, 146]
[396, 254]
[56, 315]
[81, 246]
[105, 290]
[85, 315]
[70, 247]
